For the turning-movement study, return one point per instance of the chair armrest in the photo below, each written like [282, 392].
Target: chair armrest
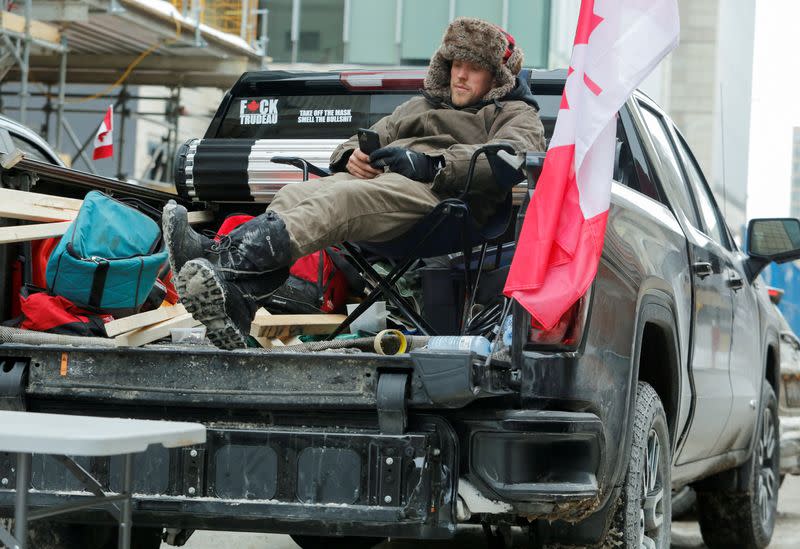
[301, 164]
[534, 162]
[505, 175]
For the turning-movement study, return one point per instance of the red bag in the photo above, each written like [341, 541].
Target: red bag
[58, 315]
[318, 282]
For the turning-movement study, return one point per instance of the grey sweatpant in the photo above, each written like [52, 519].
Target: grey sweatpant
[322, 212]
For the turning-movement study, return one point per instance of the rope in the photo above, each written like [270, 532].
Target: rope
[30, 337]
[366, 344]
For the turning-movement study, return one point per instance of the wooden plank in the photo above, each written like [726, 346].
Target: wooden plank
[205, 216]
[36, 206]
[140, 337]
[284, 326]
[134, 322]
[265, 342]
[24, 233]
[268, 343]
[44, 207]
[42, 31]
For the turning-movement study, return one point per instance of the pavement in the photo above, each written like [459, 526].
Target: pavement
[685, 534]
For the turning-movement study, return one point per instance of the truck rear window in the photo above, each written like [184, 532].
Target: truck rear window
[306, 116]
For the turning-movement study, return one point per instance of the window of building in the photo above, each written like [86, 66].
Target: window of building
[320, 37]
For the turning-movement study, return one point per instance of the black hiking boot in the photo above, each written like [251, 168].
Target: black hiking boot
[182, 242]
[226, 305]
[224, 288]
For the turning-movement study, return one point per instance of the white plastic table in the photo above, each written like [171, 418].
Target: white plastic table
[26, 433]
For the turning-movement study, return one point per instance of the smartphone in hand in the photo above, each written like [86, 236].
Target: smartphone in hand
[368, 141]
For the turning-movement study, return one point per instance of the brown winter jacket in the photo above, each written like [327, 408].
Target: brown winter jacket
[432, 125]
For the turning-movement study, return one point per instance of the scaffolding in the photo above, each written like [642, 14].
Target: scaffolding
[236, 17]
[118, 44]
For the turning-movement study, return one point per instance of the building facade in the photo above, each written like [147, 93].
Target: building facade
[393, 32]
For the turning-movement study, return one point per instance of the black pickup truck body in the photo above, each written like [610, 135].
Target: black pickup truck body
[411, 445]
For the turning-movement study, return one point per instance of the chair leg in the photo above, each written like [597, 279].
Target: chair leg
[385, 287]
[363, 306]
[470, 301]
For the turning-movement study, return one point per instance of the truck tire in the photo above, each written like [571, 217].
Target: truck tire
[747, 519]
[643, 516]
[325, 542]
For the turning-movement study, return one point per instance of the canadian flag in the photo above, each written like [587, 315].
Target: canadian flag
[104, 140]
[617, 43]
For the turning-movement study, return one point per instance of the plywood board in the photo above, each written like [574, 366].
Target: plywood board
[134, 322]
[140, 337]
[42, 31]
[285, 326]
[24, 233]
[37, 207]
[31, 206]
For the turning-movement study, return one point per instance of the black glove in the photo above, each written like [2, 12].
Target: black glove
[413, 165]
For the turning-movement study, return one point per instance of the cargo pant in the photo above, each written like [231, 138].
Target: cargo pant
[326, 211]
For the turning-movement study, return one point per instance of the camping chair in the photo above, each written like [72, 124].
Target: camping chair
[447, 228]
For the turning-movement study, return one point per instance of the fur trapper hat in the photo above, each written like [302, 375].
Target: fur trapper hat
[479, 42]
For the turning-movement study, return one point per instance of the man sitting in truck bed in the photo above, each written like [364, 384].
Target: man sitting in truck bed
[472, 96]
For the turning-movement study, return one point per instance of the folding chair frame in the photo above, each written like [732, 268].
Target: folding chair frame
[447, 209]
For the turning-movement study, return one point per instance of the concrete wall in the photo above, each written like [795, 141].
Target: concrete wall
[733, 98]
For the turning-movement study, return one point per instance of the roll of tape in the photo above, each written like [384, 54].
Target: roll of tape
[378, 342]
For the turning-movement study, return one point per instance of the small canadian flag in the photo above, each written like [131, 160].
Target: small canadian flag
[104, 140]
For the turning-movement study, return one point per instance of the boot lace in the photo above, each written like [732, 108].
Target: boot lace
[221, 245]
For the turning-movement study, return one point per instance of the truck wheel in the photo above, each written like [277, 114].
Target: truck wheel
[325, 542]
[643, 512]
[747, 519]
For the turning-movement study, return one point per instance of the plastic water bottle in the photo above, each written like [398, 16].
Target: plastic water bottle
[503, 334]
[477, 344]
[507, 330]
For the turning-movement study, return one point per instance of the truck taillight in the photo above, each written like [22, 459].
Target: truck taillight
[411, 80]
[567, 332]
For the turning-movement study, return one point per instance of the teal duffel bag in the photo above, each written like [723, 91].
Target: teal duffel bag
[108, 259]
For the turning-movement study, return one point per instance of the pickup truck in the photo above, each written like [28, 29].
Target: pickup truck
[664, 375]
